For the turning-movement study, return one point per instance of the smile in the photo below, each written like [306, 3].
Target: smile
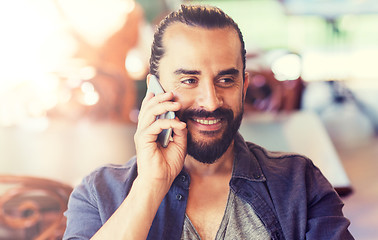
[207, 122]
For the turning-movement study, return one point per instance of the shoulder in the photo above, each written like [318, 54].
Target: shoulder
[96, 198]
[279, 160]
[112, 177]
[298, 187]
[109, 183]
[273, 165]
[292, 174]
[285, 169]
[113, 174]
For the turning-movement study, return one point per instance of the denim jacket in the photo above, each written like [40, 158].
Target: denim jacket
[288, 193]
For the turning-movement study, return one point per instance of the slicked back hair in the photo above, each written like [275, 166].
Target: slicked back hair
[197, 16]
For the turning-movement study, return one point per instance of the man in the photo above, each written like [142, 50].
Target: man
[208, 183]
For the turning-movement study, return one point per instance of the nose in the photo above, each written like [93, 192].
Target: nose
[209, 97]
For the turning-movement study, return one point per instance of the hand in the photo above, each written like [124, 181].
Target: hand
[157, 164]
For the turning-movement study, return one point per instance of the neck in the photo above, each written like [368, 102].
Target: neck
[222, 166]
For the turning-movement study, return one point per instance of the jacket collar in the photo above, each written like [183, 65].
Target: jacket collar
[246, 165]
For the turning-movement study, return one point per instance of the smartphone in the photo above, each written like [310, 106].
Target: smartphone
[165, 135]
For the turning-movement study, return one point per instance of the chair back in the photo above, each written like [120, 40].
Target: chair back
[32, 207]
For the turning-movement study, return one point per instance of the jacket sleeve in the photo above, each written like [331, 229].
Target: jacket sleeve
[325, 219]
[83, 217]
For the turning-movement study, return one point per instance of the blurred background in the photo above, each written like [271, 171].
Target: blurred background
[72, 77]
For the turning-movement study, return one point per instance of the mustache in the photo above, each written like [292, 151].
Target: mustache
[201, 113]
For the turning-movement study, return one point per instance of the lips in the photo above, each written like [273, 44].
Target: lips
[206, 125]
[207, 121]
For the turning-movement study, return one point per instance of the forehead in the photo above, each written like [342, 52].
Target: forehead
[195, 45]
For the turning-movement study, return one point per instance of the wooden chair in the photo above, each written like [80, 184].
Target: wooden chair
[32, 208]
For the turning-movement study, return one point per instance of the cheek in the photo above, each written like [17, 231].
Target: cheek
[184, 98]
[233, 99]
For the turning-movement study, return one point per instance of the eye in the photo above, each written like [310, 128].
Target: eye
[225, 82]
[189, 81]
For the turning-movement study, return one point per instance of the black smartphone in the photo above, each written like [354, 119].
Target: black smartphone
[165, 135]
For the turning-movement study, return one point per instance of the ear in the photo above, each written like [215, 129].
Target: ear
[246, 83]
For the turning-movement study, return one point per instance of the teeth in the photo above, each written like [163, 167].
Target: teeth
[207, 122]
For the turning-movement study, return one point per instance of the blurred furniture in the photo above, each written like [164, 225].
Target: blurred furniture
[266, 93]
[32, 208]
[300, 132]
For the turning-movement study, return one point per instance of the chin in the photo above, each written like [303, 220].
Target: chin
[208, 151]
[209, 146]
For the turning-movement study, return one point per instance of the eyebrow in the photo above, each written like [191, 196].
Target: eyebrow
[187, 72]
[231, 71]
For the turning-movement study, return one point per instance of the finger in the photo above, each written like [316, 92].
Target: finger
[180, 135]
[180, 130]
[151, 110]
[150, 98]
[148, 117]
[161, 124]
[178, 146]
[149, 134]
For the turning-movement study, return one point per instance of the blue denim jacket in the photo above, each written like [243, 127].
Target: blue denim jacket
[289, 194]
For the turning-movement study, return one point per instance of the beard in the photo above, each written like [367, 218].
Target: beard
[209, 151]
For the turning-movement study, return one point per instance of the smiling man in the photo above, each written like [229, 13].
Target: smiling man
[208, 183]
[206, 73]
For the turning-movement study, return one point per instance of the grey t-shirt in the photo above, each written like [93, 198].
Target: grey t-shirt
[239, 222]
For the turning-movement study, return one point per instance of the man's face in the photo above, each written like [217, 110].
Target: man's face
[204, 69]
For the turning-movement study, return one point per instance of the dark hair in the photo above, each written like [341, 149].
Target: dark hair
[202, 16]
